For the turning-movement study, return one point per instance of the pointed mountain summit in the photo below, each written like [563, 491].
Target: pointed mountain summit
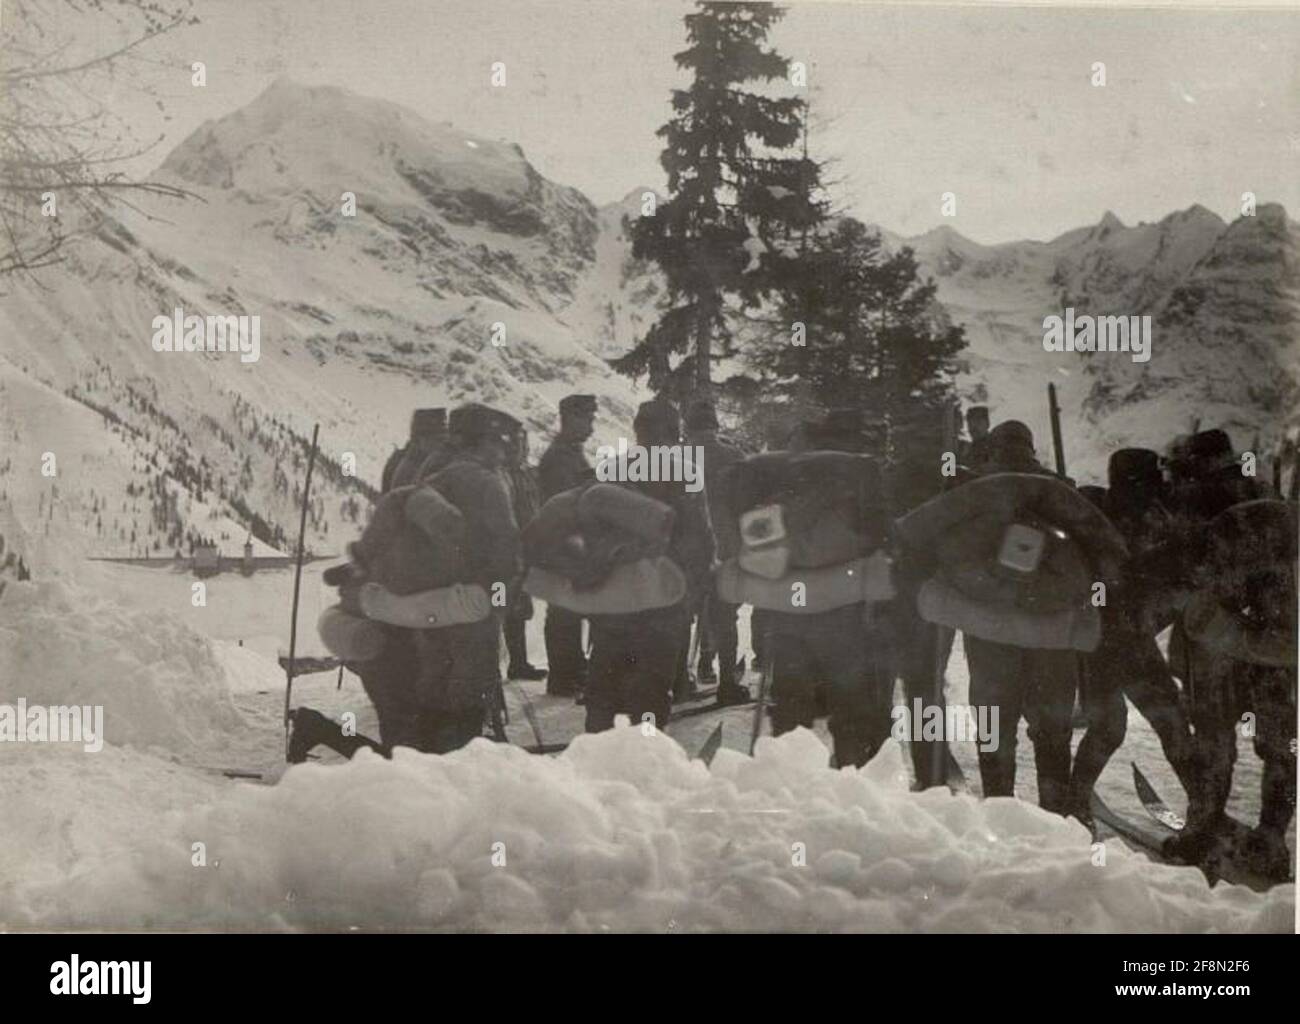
[318, 142]
[293, 135]
[1108, 225]
[945, 249]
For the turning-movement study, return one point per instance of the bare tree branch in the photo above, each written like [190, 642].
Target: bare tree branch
[55, 133]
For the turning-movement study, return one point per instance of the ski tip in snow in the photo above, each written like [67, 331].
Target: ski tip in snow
[1156, 807]
[712, 745]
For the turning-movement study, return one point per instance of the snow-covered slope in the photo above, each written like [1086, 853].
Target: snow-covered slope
[457, 238]
[1225, 303]
[362, 319]
[619, 298]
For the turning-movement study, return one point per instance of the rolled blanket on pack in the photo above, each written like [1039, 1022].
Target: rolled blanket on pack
[547, 534]
[828, 541]
[824, 589]
[1077, 629]
[348, 637]
[583, 533]
[455, 605]
[805, 510]
[414, 541]
[970, 536]
[629, 587]
[1214, 627]
[629, 512]
[807, 483]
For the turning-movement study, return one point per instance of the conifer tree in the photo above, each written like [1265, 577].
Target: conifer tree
[860, 329]
[736, 196]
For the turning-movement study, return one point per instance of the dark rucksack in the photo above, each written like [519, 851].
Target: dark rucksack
[415, 541]
[1015, 539]
[582, 533]
[829, 505]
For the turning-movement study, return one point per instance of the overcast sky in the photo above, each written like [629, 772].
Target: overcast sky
[993, 104]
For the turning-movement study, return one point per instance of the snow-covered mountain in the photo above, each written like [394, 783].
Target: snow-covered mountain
[456, 238]
[1225, 305]
[464, 275]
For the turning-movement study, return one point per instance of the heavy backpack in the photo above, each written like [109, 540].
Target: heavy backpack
[1077, 628]
[804, 510]
[583, 533]
[1247, 609]
[455, 605]
[403, 572]
[1015, 541]
[414, 541]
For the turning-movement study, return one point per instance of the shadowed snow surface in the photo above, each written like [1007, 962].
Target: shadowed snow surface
[621, 832]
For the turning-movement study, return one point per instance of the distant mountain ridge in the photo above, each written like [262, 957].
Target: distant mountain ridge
[467, 275]
[1225, 300]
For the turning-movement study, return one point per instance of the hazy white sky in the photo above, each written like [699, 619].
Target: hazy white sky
[993, 104]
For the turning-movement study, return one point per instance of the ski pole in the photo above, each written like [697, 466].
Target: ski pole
[1058, 447]
[693, 653]
[938, 753]
[769, 660]
[297, 585]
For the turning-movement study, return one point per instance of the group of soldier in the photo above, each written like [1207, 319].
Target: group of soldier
[844, 663]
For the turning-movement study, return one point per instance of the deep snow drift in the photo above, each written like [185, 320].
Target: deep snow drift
[621, 832]
[163, 687]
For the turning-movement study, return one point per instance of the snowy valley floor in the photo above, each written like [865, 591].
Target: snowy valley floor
[620, 832]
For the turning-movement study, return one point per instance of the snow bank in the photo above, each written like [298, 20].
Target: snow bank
[74, 824]
[621, 832]
[163, 686]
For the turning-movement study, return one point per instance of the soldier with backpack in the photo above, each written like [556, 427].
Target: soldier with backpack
[563, 466]
[1013, 557]
[459, 664]
[812, 524]
[632, 555]
[1239, 661]
[416, 594]
[1128, 663]
[635, 656]
[1233, 643]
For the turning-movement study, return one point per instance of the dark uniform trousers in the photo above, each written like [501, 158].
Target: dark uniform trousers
[566, 662]
[723, 639]
[831, 650]
[1128, 663]
[515, 627]
[633, 660]
[429, 686]
[1039, 686]
[1223, 690]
